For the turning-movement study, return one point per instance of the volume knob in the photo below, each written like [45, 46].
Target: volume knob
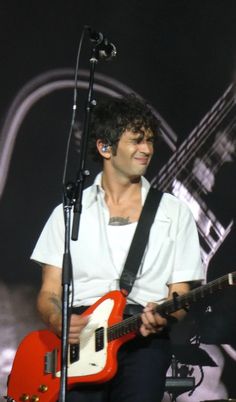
[24, 397]
[43, 388]
[34, 398]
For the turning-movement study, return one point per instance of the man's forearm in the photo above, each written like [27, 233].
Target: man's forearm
[49, 307]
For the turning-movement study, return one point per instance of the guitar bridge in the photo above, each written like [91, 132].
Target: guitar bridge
[50, 362]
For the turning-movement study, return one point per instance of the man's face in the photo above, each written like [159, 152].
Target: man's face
[134, 153]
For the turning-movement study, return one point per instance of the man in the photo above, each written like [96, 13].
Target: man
[123, 133]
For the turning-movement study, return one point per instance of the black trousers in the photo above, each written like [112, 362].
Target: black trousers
[142, 366]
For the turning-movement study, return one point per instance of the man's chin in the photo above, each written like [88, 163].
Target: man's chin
[136, 176]
[143, 170]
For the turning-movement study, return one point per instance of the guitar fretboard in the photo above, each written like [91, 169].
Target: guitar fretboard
[133, 323]
[190, 173]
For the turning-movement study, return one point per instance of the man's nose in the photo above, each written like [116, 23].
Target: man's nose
[145, 147]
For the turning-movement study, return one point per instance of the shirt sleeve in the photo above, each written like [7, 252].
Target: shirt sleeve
[49, 248]
[187, 260]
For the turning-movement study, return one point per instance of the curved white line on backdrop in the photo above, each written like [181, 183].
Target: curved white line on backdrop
[45, 84]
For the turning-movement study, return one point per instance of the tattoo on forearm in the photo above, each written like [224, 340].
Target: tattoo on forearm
[55, 301]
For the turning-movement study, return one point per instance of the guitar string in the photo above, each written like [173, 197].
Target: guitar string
[210, 153]
[181, 158]
[181, 162]
[187, 148]
[195, 144]
[197, 131]
[180, 301]
[187, 181]
[178, 156]
[170, 306]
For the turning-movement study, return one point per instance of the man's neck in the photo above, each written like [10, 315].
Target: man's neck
[121, 190]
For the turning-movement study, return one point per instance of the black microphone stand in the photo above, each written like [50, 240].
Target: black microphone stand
[73, 196]
[83, 172]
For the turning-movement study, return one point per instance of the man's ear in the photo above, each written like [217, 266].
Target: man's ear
[103, 149]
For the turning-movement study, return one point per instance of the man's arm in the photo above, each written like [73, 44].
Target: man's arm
[49, 305]
[154, 323]
[180, 289]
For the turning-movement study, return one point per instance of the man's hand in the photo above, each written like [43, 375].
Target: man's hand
[77, 323]
[151, 322]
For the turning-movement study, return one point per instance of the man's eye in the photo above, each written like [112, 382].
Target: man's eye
[140, 139]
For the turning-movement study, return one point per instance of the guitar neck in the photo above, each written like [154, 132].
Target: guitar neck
[133, 323]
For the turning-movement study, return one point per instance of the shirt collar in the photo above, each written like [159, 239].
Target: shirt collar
[90, 194]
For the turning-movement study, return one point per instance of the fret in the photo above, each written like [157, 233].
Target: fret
[190, 172]
[124, 327]
[133, 323]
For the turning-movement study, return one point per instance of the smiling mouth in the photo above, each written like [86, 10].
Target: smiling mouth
[142, 161]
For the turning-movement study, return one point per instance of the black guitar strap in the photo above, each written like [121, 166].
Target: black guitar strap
[140, 240]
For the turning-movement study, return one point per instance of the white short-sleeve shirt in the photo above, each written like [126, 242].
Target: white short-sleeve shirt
[172, 253]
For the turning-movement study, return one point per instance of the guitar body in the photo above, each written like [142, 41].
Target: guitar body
[35, 374]
[36, 368]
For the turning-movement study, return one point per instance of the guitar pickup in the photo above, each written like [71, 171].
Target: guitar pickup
[50, 362]
[99, 339]
[74, 353]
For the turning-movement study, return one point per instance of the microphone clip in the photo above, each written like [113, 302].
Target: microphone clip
[104, 49]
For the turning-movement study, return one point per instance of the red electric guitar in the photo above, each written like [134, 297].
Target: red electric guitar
[35, 374]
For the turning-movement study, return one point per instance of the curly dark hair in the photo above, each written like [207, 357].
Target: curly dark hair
[111, 117]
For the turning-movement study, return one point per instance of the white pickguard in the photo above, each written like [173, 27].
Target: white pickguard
[90, 361]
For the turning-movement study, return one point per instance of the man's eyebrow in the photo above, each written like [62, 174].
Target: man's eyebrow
[142, 134]
[138, 133]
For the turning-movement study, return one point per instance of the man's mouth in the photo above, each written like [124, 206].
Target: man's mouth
[143, 160]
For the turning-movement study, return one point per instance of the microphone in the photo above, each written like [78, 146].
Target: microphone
[105, 49]
[95, 37]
